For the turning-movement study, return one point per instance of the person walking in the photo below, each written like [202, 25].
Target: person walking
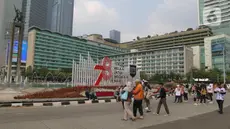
[198, 94]
[138, 93]
[220, 91]
[203, 95]
[120, 91]
[177, 94]
[182, 93]
[210, 91]
[147, 96]
[186, 93]
[162, 100]
[127, 102]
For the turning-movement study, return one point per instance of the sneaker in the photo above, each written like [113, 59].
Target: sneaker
[146, 108]
[167, 115]
[124, 119]
[148, 111]
[141, 117]
[195, 104]
[155, 113]
[211, 102]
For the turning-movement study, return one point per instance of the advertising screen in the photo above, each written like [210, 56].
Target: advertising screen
[217, 47]
[15, 51]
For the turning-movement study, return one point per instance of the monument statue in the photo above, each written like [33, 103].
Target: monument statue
[19, 15]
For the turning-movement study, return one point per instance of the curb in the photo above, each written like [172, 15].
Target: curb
[55, 104]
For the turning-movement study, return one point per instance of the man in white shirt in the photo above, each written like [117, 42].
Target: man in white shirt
[210, 92]
[220, 92]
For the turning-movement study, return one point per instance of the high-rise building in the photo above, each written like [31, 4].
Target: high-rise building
[7, 14]
[189, 38]
[62, 16]
[115, 35]
[55, 15]
[198, 57]
[176, 59]
[35, 13]
[217, 51]
[216, 14]
[54, 50]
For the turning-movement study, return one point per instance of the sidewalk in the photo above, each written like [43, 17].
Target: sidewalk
[113, 120]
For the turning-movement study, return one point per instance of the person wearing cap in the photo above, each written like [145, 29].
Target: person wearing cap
[138, 93]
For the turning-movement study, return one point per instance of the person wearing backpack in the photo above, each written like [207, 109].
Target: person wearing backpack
[127, 98]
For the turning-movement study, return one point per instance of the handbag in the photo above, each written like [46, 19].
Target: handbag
[149, 95]
[124, 96]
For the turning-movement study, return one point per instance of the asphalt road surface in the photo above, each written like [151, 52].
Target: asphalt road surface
[211, 120]
[108, 116]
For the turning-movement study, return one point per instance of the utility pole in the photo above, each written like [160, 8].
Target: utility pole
[224, 68]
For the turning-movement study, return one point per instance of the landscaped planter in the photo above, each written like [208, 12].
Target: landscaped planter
[73, 92]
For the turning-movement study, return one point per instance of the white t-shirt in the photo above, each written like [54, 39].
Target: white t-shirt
[178, 92]
[219, 94]
[210, 88]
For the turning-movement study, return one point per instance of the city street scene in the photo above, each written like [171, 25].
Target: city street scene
[117, 64]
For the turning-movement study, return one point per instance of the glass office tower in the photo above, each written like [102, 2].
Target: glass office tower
[219, 9]
[217, 51]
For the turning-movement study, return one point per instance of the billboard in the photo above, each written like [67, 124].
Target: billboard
[15, 51]
[217, 47]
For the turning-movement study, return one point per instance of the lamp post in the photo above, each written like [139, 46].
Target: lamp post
[224, 68]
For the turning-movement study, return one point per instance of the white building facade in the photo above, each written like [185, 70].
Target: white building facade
[165, 60]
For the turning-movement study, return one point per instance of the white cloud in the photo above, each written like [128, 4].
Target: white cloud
[173, 15]
[93, 16]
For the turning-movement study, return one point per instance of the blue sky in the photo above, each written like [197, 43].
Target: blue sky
[133, 17]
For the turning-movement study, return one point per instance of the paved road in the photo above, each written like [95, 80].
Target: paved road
[211, 120]
[97, 116]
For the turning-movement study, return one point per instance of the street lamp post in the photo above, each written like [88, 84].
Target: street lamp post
[224, 68]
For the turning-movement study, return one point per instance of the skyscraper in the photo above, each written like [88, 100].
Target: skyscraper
[216, 14]
[35, 14]
[62, 16]
[115, 35]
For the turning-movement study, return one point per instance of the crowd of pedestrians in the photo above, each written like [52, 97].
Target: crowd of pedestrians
[135, 96]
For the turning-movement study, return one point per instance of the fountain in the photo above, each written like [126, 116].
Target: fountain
[36, 76]
[46, 78]
[5, 80]
[25, 81]
[66, 81]
[56, 79]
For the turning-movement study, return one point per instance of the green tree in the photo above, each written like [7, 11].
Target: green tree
[29, 72]
[43, 72]
[214, 74]
[143, 75]
[156, 78]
